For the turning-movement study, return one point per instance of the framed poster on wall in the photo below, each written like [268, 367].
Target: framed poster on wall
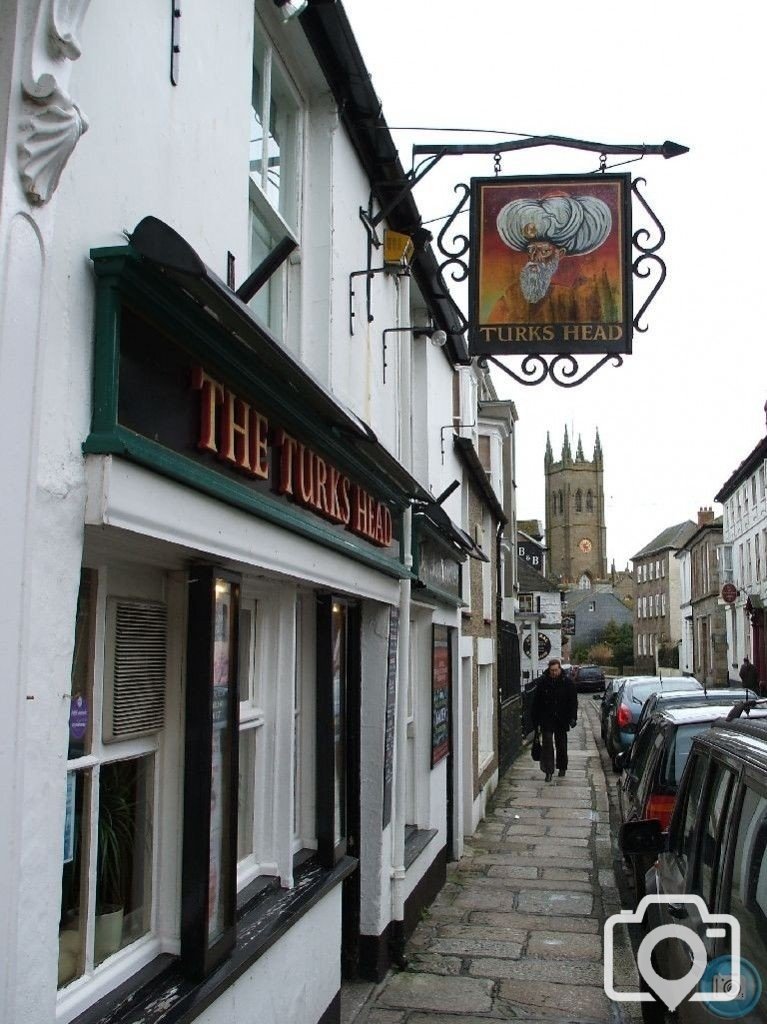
[440, 693]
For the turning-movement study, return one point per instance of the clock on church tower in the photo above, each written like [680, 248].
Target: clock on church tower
[585, 545]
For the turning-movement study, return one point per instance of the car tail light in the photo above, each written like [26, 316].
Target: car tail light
[623, 716]
[660, 807]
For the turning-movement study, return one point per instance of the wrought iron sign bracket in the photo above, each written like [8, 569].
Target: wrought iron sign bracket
[434, 153]
[175, 40]
[415, 331]
[368, 275]
[453, 427]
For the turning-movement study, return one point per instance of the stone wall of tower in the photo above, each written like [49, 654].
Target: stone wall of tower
[576, 533]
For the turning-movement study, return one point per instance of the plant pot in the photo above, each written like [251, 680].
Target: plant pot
[109, 932]
[69, 952]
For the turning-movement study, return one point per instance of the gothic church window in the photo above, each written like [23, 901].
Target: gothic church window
[561, 503]
[578, 501]
[589, 502]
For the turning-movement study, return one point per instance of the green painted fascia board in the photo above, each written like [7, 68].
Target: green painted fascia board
[121, 271]
[437, 594]
[121, 441]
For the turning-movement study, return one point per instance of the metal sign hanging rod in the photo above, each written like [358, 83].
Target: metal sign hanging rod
[666, 149]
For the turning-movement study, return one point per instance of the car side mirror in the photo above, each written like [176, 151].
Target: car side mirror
[596, 696]
[636, 838]
[622, 760]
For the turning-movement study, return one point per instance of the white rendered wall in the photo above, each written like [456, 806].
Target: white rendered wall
[295, 980]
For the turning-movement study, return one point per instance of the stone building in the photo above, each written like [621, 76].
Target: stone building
[657, 607]
[704, 639]
[744, 560]
[576, 533]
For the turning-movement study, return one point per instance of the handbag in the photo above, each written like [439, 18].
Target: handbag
[535, 749]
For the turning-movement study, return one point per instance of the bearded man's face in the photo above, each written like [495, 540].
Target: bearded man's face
[535, 277]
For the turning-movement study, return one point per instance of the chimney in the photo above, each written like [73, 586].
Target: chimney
[705, 516]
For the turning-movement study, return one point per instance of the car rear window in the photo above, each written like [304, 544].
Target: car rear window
[641, 691]
[679, 750]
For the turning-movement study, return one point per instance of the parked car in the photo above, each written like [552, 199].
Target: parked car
[607, 698]
[589, 677]
[712, 860]
[624, 714]
[691, 698]
[653, 767]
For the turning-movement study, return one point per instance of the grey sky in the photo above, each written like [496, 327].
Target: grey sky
[687, 406]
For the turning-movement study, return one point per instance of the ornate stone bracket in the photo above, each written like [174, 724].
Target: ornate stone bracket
[52, 123]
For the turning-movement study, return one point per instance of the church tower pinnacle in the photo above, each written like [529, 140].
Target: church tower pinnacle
[566, 453]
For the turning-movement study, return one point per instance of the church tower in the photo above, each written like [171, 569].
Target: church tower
[576, 534]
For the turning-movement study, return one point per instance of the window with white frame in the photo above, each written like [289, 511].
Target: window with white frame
[485, 707]
[663, 605]
[663, 568]
[748, 562]
[651, 575]
[657, 570]
[117, 797]
[276, 136]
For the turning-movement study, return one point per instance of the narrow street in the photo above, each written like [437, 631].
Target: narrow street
[516, 933]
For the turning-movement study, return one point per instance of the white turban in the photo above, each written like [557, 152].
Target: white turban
[577, 224]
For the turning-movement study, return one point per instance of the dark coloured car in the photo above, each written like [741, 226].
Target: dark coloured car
[624, 714]
[607, 699]
[690, 699]
[712, 860]
[589, 678]
[653, 767]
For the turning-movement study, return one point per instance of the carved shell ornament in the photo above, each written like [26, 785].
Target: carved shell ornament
[53, 123]
[48, 139]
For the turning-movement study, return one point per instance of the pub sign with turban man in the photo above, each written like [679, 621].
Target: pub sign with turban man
[550, 266]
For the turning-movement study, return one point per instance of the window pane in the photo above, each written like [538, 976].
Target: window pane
[73, 880]
[339, 715]
[79, 711]
[281, 144]
[245, 802]
[749, 889]
[715, 812]
[124, 861]
[685, 831]
[219, 880]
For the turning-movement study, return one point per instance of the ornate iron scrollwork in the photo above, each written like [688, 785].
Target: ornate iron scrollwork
[562, 370]
[455, 259]
[642, 266]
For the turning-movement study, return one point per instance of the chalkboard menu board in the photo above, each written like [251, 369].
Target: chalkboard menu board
[440, 693]
[391, 693]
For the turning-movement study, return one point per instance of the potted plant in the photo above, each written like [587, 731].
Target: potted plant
[116, 839]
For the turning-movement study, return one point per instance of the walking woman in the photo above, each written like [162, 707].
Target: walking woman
[555, 710]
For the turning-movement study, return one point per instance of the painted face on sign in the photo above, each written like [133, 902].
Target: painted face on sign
[535, 277]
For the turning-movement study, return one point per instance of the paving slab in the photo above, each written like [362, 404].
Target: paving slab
[433, 992]
[559, 1001]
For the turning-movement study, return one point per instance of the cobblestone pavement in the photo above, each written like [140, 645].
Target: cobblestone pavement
[516, 933]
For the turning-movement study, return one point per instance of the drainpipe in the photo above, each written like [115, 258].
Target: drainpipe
[400, 790]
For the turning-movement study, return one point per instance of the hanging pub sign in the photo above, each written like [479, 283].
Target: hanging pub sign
[550, 265]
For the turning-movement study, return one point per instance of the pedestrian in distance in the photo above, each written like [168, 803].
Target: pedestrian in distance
[555, 710]
[748, 675]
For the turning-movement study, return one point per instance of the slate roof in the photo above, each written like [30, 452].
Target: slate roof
[672, 537]
[531, 581]
[590, 625]
[744, 471]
